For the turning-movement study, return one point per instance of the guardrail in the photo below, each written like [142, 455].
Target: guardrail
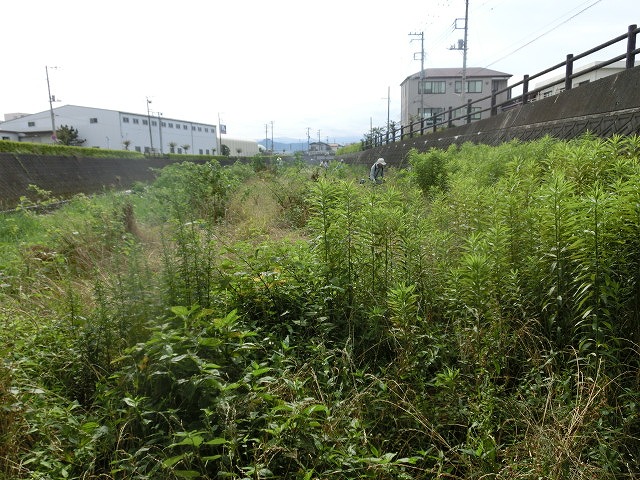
[441, 120]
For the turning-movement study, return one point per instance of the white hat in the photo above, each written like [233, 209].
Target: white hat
[381, 161]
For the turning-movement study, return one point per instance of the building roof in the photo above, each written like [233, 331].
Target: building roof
[472, 72]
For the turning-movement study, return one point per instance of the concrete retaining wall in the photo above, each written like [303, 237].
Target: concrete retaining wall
[66, 176]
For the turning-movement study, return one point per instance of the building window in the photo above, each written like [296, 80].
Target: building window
[31, 124]
[430, 112]
[154, 123]
[200, 151]
[170, 124]
[461, 113]
[93, 120]
[125, 119]
[193, 127]
[145, 122]
[164, 124]
[177, 125]
[138, 149]
[179, 150]
[432, 86]
[136, 121]
[207, 151]
[5, 138]
[473, 86]
[199, 129]
[184, 127]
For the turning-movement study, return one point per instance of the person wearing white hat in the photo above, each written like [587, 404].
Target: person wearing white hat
[377, 171]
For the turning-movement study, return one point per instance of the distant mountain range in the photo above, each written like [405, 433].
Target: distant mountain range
[284, 144]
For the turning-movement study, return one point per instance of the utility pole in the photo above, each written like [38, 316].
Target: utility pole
[462, 45]
[388, 99]
[51, 100]
[149, 122]
[160, 132]
[266, 136]
[421, 84]
[273, 148]
[308, 138]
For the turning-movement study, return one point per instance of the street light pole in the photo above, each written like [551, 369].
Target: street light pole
[160, 131]
[53, 121]
[149, 121]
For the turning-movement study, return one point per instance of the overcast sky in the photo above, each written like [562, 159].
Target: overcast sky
[324, 66]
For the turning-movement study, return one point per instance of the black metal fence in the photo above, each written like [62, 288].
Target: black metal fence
[446, 120]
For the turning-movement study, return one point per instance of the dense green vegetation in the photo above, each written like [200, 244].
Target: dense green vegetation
[476, 316]
[63, 150]
[70, 150]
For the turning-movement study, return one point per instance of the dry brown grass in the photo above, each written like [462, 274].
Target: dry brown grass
[254, 214]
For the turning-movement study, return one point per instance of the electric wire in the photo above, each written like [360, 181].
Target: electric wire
[543, 33]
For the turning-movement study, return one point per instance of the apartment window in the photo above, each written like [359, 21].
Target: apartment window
[93, 120]
[125, 119]
[430, 112]
[136, 121]
[473, 86]
[462, 112]
[432, 86]
[31, 124]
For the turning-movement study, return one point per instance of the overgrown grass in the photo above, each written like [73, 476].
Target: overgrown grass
[475, 317]
[64, 150]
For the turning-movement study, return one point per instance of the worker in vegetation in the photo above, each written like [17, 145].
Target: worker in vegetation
[377, 171]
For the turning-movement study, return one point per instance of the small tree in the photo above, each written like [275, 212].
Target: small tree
[226, 151]
[69, 136]
[186, 147]
[126, 144]
[172, 147]
[238, 151]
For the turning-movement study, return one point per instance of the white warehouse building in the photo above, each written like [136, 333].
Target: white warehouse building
[115, 130]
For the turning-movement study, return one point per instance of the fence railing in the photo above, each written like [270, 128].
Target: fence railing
[447, 119]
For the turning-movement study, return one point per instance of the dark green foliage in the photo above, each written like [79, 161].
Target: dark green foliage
[67, 135]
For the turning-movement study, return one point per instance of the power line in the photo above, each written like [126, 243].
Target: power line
[543, 34]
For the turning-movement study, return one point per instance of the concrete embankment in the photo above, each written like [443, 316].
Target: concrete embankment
[65, 176]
